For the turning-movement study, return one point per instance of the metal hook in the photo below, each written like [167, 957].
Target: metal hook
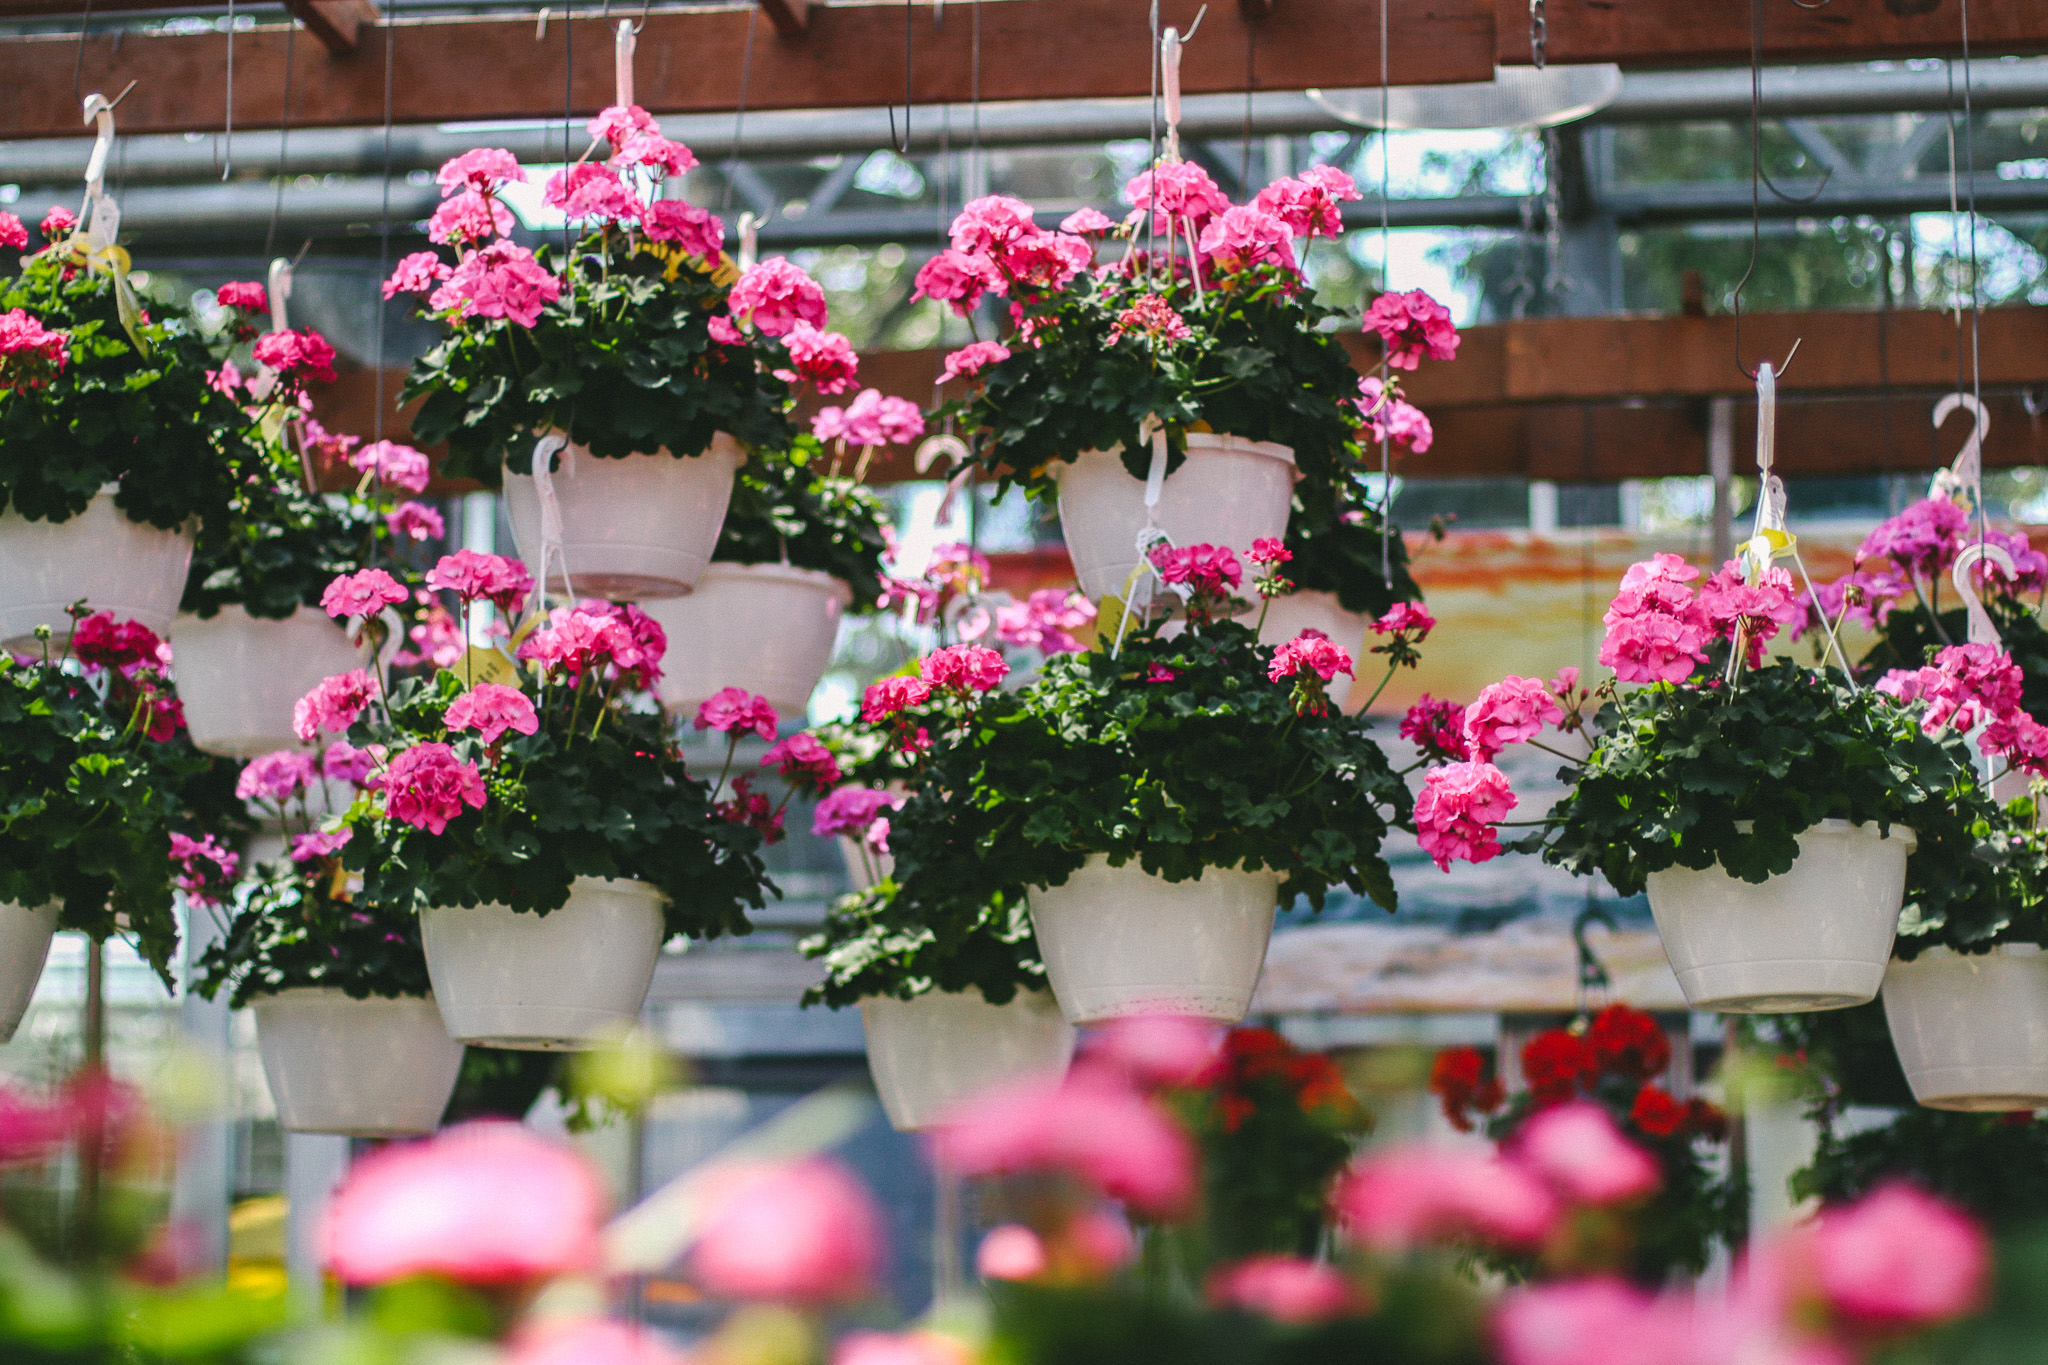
[1592, 971]
[1827, 174]
[643, 17]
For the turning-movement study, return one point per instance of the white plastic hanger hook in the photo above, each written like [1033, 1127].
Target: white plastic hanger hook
[623, 65]
[1983, 630]
[1766, 417]
[750, 239]
[1169, 85]
[1963, 481]
[103, 221]
[280, 290]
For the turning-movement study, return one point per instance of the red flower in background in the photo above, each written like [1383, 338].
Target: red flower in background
[1556, 1063]
[1628, 1042]
[1657, 1113]
[1459, 1079]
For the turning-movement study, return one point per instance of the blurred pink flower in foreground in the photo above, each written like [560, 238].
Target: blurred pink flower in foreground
[1409, 1194]
[1900, 1258]
[483, 1203]
[804, 1232]
[1584, 1157]
[1158, 1049]
[589, 1341]
[1284, 1288]
[1092, 1125]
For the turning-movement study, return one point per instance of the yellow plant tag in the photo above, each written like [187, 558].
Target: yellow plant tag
[481, 665]
[1089, 634]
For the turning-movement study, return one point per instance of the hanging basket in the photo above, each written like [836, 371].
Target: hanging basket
[24, 946]
[1289, 616]
[633, 529]
[1972, 1030]
[546, 983]
[1816, 937]
[377, 1067]
[1118, 941]
[1230, 491]
[930, 1053]
[240, 675]
[132, 569]
[766, 628]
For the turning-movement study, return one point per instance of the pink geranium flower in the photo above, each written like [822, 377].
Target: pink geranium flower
[1437, 725]
[697, 231]
[850, 810]
[803, 1232]
[1309, 652]
[491, 709]
[1308, 204]
[248, 296]
[1900, 1258]
[501, 280]
[344, 762]
[824, 360]
[472, 575]
[1508, 712]
[310, 848]
[57, 222]
[484, 1203]
[1653, 648]
[277, 776]
[427, 786]
[101, 641]
[1922, 541]
[1457, 810]
[972, 359]
[1045, 621]
[885, 698]
[588, 1341]
[803, 760]
[1156, 1050]
[394, 464]
[592, 636]
[1284, 1288]
[1412, 325]
[1087, 222]
[1204, 568]
[1268, 550]
[1395, 420]
[1152, 317]
[1186, 193]
[333, 704]
[1415, 1194]
[417, 273]
[775, 296]
[619, 124]
[415, 521]
[467, 219]
[958, 280]
[590, 191]
[204, 869]
[1578, 1150]
[29, 353]
[481, 171]
[363, 593]
[734, 711]
[1729, 603]
[297, 356]
[991, 225]
[964, 668]
[1245, 236]
[1406, 618]
[13, 236]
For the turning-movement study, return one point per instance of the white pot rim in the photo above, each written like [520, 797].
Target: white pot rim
[1837, 828]
[787, 573]
[721, 442]
[1208, 441]
[1135, 866]
[625, 886]
[301, 992]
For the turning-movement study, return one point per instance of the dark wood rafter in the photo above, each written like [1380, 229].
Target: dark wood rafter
[1717, 33]
[1587, 400]
[792, 18]
[493, 67]
[336, 23]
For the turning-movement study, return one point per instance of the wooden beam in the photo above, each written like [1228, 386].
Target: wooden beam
[334, 22]
[1633, 33]
[690, 61]
[790, 17]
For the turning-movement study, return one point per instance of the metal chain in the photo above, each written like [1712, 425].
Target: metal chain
[1539, 34]
[1553, 218]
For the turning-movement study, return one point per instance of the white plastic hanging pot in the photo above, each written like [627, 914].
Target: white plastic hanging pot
[1287, 617]
[633, 529]
[930, 1053]
[377, 1067]
[1118, 941]
[240, 675]
[1972, 1029]
[1230, 491]
[768, 628]
[129, 568]
[24, 946]
[1813, 938]
[554, 982]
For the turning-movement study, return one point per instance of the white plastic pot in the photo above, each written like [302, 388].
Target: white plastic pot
[545, 983]
[1972, 1030]
[240, 675]
[24, 945]
[1230, 491]
[134, 570]
[1289, 616]
[930, 1053]
[1118, 941]
[377, 1067]
[768, 628]
[633, 529]
[1814, 938]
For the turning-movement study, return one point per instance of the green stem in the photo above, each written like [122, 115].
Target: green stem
[1391, 667]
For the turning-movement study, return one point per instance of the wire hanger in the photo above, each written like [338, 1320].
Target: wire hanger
[1756, 179]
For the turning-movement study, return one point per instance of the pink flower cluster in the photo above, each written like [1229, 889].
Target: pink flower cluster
[498, 281]
[698, 232]
[972, 359]
[963, 669]
[1045, 621]
[1863, 596]
[1312, 659]
[1895, 1261]
[824, 360]
[1921, 541]
[1180, 195]
[871, 419]
[998, 248]
[102, 641]
[1972, 685]
[851, 810]
[802, 1232]
[1206, 569]
[1437, 727]
[614, 640]
[1508, 712]
[296, 357]
[888, 697]
[1456, 813]
[427, 786]
[363, 593]
[1246, 235]
[1307, 203]
[587, 192]
[1151, 317]
[333, 704]
[474, 576]
[418, 272]
[492, 709]
[204, 870]
[275, 776]
[1656, 631]
[734, 711]
[30, 354]
[394, 464]
[1406, 625]
[1412, 325]
[13, 236]
[806, 763]
[467, 219]
[775, 296]
[1392, 418]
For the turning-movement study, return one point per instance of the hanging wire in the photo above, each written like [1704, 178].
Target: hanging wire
[1152, 159]
[1251, 77]
[903, 146]
[384, 232]
[78, 63]
[739, 113]
[1976, 293]
[227, 151]
[1756, 178]
[284, 135]
[568, 115]
[974, 94]
[1386, 284]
